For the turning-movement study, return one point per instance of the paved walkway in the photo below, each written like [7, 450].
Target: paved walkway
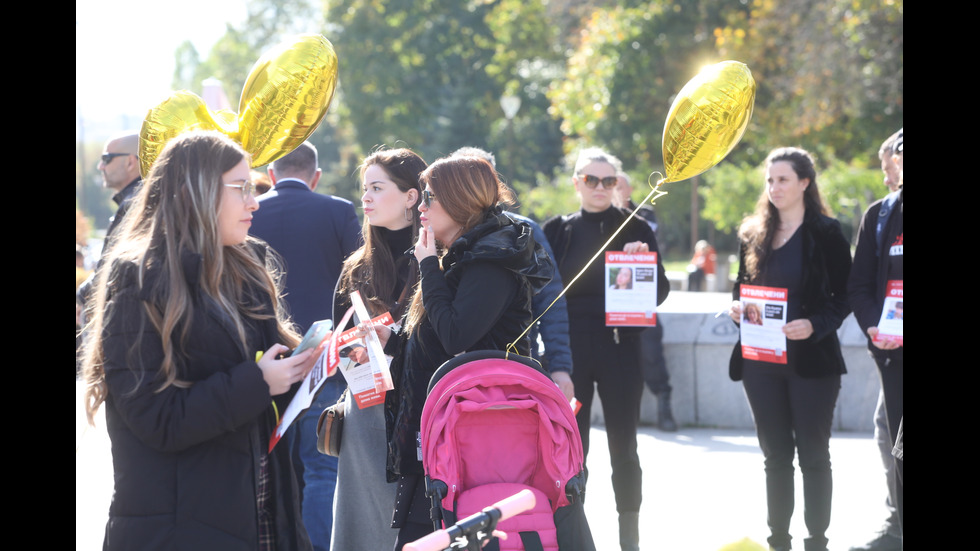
[703, 489]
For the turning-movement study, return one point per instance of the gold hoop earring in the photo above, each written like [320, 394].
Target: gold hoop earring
[408, 214]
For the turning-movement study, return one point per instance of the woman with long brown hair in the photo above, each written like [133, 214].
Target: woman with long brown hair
[385, 277]
[183, 348]
[791, 243]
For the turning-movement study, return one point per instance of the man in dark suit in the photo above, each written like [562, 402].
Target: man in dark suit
[313, 233]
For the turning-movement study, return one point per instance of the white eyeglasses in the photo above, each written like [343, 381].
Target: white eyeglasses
[247, 187]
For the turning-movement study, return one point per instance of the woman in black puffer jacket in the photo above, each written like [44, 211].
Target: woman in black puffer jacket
[476, 295]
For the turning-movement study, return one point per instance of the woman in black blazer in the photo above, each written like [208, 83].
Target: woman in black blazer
[790, 242]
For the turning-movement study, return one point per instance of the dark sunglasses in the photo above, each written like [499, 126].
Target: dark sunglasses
[427, 197]
[108, 157]
[591, 181]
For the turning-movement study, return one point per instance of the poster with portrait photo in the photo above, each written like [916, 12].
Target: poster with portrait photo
[631, 289]
[763, 318]
[892, 313]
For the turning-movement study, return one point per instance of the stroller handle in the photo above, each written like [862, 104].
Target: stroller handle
[484, 521]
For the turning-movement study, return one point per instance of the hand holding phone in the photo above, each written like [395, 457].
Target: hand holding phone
[316, 334]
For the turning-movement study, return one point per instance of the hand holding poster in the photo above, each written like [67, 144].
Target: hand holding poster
[890, 326]
[367, 381]
[631, 289]
[763, 318]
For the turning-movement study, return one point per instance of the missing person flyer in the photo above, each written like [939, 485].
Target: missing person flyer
[892, 313]
[763, 318]
[631, 289]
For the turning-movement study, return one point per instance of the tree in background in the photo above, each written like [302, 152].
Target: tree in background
[829, 74]
[429, 74]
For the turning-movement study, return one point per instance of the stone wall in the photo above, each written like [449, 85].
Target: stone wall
[697, 347]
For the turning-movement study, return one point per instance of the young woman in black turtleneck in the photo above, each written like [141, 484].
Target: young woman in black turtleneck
[385, 277]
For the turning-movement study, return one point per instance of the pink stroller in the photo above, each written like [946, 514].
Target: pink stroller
[493, 425]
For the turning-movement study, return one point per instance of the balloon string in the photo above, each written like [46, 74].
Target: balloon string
[655, 188]
[654, 194]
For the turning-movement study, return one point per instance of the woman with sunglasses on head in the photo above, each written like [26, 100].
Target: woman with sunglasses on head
[478, 271]
[791, 243]
[187, 334]
[604, 356]
[385, 277]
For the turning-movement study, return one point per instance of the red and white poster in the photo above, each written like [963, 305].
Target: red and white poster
[763, 318]
[367, 381]
[892, 313]
[631, 289]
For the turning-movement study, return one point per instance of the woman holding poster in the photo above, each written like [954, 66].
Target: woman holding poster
[385, 277]
[796, 257]
[183, 348]
[605, 356]
[478, 271]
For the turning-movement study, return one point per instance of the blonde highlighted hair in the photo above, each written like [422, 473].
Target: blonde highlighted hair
[176, 212]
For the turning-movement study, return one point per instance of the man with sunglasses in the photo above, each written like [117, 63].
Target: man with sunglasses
[313, 233]
[120, 168]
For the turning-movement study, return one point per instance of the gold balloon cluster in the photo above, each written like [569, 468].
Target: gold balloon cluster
[285, 97]
[707, 119]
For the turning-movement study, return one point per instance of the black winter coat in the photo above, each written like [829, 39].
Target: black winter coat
[869, 276]
[826, 265]
[186, 460]
[480, 300]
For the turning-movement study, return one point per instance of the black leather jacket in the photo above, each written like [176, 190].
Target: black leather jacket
[480, 300]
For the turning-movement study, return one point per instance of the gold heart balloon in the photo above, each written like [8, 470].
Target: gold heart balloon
[285, 97]
[181, 112]
[707, 119]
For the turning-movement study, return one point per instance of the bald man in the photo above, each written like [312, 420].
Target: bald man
[120, 168]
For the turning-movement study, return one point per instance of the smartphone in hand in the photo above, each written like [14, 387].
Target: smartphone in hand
[316, 334]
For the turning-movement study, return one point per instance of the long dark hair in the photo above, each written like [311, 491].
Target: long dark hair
[758, 229]
[371, 269]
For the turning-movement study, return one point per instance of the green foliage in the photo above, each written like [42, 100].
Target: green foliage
[547, 199]
[429, 74]
[414, 73]
[626, 70]
[848, 188]
[733, 189]
[231, 58]
[730, 194]
[830, 72]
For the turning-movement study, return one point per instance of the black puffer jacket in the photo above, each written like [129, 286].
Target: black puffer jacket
[186, 461]
[480, 300]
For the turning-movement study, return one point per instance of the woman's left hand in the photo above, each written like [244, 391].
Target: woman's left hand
[281, 374]
[798, 330]
[636, 247]
[426, 245]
